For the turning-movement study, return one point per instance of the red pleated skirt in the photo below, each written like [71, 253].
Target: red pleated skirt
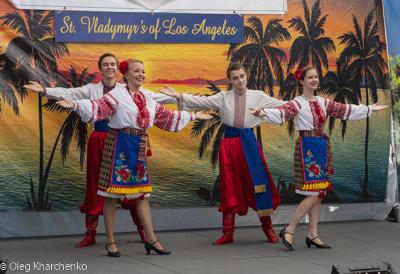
[237, 190]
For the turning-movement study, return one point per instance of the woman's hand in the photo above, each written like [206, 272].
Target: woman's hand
[375, 107]
[170, 92]
[257, 112]
[34, 86]
[65, 103]
[201, 116]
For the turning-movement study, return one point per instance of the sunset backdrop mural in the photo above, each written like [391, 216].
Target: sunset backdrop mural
[42, 150]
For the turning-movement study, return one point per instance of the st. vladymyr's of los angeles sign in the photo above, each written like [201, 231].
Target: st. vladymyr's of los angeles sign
[75, 26]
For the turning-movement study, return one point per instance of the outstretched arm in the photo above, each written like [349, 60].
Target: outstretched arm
[201, 116]
[257, 112]
[349, 111]
[170, 92]
[376, 107]
[34, 86]
[278, 115]
[65, 103]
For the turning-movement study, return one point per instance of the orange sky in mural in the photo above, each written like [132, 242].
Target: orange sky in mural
[208, 61]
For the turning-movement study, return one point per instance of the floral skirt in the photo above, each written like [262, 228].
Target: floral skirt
[300, 186]
[123, 172]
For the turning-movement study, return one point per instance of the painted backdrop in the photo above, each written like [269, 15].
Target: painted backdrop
[42, 150]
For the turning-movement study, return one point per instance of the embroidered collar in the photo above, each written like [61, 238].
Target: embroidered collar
[106, 88]
[240, 93]
[316, 99]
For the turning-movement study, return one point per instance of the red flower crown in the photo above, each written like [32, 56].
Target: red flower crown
[299, 73]
[123, 66]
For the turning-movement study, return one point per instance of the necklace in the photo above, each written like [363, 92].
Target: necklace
[140, 101]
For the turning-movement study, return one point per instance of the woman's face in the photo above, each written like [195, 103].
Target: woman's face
[135, 74]
[310, 81]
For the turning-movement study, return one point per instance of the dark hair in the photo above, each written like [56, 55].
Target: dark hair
[104, 56]
[234, 66]
[130, 61]
[303, 74]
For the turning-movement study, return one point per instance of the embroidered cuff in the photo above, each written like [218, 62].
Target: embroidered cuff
[369, 114]
[44, 92]
[76, 106]
[192, 118]
[263, 118]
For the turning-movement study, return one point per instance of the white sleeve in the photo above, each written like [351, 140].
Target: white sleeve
[190, 102]
[92, 111]
[72, 94]
[160, 97]
[171, 120]
[280, 115]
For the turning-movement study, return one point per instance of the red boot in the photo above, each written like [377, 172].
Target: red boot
[266, 225]
[137, 222]
[228, 222]
[91, 225]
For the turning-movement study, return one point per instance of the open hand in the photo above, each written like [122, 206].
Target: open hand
[201, 116]
[257, 112]
[65, 103]
[376, 107]
[169, 91]
[34, 86]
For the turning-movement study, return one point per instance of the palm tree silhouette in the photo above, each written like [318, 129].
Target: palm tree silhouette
[310, 46]
[364, 50]
[35, 52]
[73, 123]
[261, 60]
[7, 81]
[343, 87]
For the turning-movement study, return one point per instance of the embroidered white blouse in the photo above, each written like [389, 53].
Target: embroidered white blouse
[232, 106]
[306, 112]
[96, 91]
[119, 106]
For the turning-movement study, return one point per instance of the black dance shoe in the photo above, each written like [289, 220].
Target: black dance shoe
[310, 242]
[286, 243]
[112, 254]
[150, 247]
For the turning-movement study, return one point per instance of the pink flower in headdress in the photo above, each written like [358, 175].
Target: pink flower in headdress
[123, 67]
[297, 74]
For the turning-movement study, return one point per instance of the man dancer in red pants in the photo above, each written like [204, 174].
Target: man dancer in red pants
[92, 207]
[245, 180]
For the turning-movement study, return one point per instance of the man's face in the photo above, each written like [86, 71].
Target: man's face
[109, 67]
[239, 80]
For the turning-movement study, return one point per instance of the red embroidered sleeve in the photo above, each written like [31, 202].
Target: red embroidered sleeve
[336, 110]
[289, 109]
[164, 117]
[103, 107]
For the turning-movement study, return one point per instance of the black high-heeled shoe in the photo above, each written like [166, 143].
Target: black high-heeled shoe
[285, 243]
[112, 254]
[150, 247]
[310, 242]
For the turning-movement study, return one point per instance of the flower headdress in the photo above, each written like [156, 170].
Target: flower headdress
[299, 73]
[123, 66]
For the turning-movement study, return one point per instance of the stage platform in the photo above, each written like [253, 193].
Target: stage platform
[192, 251]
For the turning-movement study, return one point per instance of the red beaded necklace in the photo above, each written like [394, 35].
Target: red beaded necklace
[139, 100]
